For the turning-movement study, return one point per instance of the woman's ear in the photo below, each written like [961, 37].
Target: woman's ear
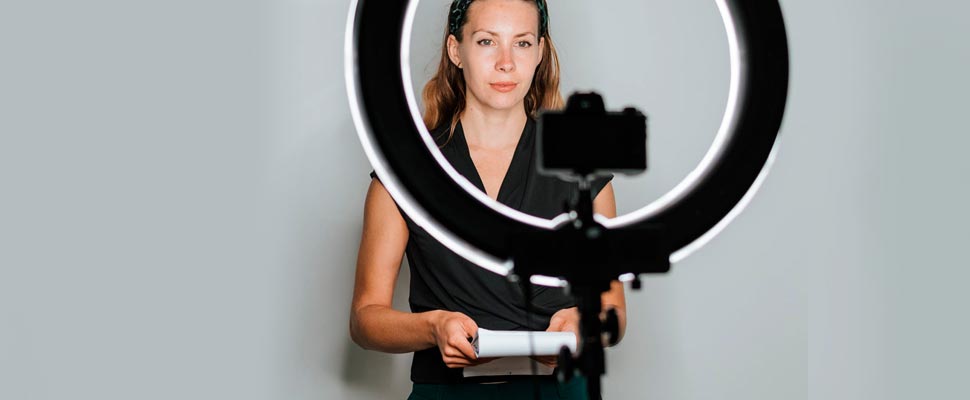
[542, 49]
[453, 53]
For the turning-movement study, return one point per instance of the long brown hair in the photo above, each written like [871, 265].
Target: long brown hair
[444, 94]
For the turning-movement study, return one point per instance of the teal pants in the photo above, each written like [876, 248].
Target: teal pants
[514, 390]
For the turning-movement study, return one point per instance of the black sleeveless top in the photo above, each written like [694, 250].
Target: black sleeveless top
[443, 280]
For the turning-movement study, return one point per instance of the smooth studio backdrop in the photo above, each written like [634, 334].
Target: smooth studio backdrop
[181, 192]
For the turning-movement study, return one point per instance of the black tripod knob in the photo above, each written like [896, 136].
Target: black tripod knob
[566, 366]
[611, 327]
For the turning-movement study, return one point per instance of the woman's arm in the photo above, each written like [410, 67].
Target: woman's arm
[374, 325]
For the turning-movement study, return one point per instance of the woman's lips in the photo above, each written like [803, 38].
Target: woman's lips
[504, 87]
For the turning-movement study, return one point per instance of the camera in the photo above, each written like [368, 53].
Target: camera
[585, 141]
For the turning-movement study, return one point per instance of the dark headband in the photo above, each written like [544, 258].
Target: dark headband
[459, 12]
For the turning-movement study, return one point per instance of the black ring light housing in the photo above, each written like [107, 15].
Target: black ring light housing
[378, 34]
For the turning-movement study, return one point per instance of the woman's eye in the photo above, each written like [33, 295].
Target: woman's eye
[489, 42]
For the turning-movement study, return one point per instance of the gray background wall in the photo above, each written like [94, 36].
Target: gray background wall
[182, 191]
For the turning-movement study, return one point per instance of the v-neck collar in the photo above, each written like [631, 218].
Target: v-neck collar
[514, 175]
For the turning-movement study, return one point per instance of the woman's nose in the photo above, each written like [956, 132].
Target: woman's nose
[505, 62]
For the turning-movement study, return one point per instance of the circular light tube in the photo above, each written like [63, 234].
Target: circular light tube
[442, 201]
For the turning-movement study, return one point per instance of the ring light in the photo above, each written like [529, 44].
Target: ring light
[465, 220]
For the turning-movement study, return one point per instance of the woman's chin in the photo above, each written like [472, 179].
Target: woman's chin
[505, 104]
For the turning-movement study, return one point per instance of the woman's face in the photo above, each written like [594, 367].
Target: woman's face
[499, 52]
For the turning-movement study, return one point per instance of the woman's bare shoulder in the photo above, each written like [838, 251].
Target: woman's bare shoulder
[379, 200]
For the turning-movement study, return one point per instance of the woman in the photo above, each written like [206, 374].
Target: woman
[498, 69]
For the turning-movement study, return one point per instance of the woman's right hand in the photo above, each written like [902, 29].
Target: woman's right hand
[453, 332]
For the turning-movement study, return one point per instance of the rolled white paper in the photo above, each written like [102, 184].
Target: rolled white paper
[489, 343]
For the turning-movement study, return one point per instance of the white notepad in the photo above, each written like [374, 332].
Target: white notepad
[507, 366]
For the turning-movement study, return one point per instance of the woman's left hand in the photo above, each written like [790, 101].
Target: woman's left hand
[565, 320]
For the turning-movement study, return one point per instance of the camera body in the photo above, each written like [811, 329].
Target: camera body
[585, 141]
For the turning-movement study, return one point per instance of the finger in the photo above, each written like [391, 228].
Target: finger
[458, 342]
[456, 362]
[454, 350]
[458, 365]
[470, 327]
[465, 347]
